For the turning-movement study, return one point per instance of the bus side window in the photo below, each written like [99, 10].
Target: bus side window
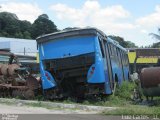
[101, 46]
[124, 55]
[119, 57]
[115, 53]
[126, 58]
[122, 58]
[113, 50]
[109, 48]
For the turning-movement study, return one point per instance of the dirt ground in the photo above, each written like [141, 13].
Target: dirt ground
[4, 109]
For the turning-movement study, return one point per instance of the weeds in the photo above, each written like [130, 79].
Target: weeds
[125, 90]
[122, 96]
[40, 98]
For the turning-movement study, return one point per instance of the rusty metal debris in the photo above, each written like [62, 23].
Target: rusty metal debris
[150, 81]
[16, 80]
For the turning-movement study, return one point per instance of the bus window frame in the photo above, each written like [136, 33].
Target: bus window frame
[101, 46]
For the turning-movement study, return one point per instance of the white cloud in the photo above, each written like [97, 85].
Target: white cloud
[148, 24]
[24, 11]
[151, 20]
[110, 18]
[113, 19]
[144, 31]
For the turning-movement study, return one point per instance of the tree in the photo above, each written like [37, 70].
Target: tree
[9, 23]
[155, 45]
[156, 35]
[27, 35]
[122, 42]
[11, 26]
[130, 44]
[25, 26]
[42, 25]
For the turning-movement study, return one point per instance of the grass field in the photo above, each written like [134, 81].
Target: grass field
[135, 110]
[126, 106]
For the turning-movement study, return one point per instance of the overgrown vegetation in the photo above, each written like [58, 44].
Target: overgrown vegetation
[122, 100]
[122, 97]
[126, 106]
[125, 90]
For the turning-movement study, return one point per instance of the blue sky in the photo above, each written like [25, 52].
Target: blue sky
[131, 19]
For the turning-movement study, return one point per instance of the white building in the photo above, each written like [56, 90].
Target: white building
[19, 46]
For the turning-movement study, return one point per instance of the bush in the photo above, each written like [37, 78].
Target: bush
[125, 90]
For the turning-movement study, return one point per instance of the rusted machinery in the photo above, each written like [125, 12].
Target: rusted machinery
[15, 80]
[150, 81]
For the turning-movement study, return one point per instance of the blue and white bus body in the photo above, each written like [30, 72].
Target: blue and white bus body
[79, 55]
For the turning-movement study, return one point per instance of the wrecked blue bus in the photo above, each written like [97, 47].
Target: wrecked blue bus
[81, 62]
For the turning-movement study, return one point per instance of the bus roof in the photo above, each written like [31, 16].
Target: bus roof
[76, 32]
[69, 33]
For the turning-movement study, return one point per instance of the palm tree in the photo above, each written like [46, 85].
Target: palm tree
[156, 35]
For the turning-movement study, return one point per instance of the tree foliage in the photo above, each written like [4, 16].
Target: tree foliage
[42, 25]
[11, 26]
[122, 42]
[156, 36]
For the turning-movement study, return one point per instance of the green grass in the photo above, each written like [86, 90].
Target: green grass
[126, 106]
[134, 110]
[125, 90]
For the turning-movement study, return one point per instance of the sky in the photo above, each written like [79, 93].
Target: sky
[131, 19]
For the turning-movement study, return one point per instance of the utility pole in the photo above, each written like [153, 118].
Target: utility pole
[24, 51]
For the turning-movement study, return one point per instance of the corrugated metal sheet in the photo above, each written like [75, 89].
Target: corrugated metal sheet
[4, 45]
[19, 46]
